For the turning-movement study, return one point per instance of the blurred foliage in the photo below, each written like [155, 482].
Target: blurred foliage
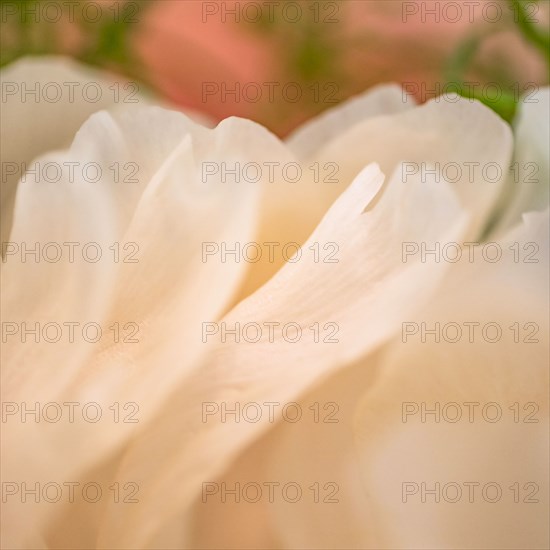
[95, 33]
[505, 105]
[308, 52]
[464, 57]
[313, 52]
[540, 38]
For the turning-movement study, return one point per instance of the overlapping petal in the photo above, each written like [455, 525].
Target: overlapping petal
[167, 216]
[362, 297]
[528, 185]
[426, 473]
[324, 328]
[458, 140]
[46, 100]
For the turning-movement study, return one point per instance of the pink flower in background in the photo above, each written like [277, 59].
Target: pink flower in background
[182, 53]
[281, 63]
[218, 58]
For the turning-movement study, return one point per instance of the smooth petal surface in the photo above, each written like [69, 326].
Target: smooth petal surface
[305, 467]
[364, 478]
[458, 140]
[323, 329]
[386, 99]
[528, 185]
[167, 293]
[427, 474]
[366, 288]
[46, 100]
[284, 217]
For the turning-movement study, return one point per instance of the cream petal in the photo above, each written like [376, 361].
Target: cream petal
[398, 446]
[461, 139]
[319, 454]
[216, 521]
[313, 452]
[465, 142]
[74, 208]
[33, 124]
[385, 99]
[529, 179]
[366, 288]
[167, 294]
[308, 452]
[316, 454]
[317, 186]
[171, 302]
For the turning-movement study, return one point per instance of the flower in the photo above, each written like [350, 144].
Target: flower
[376, 180]
[320, 47]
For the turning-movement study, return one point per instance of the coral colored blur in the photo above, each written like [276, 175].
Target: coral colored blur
[186, 45]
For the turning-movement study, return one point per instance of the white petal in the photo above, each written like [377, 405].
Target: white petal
[398, 449]
[459, 139]
[167, 294]
[317, 453]
[366, 289]
[464, 141]
[380, 100]
[47, 99]
[310, 452]
[529, 179]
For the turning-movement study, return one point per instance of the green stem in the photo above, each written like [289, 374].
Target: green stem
[539, 38]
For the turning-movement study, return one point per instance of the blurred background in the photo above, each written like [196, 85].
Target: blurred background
[280, 62]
